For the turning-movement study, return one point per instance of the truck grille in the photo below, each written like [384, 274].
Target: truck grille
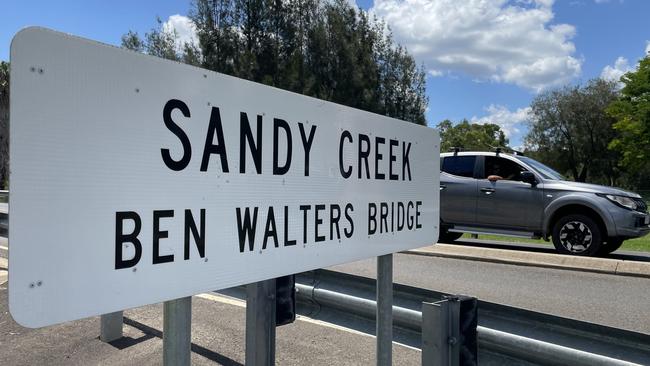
[641, 206]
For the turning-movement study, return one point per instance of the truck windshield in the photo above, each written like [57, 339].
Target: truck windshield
[542, 169]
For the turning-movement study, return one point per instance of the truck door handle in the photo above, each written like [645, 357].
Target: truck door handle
[488, 191]
[442, 186]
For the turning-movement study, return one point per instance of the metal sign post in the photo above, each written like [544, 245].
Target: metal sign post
[385, 310]
[111, 326]
[260, 323]
[177, 332]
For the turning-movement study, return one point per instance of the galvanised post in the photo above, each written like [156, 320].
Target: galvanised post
[111, 326]
[177, 332]
[260, 323]
[385, 310]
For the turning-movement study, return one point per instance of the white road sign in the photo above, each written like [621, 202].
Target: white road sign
[136, 180]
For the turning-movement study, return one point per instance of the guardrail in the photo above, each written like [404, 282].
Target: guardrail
[4, 212]
[511, 332]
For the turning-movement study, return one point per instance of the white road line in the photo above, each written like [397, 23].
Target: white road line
[241, 303]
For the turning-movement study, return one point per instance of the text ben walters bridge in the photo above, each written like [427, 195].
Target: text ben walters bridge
[390, 158]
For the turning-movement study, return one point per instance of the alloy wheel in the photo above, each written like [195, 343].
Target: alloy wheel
[575, 236]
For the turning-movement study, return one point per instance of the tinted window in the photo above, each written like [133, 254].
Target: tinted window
[504, 168]
[462, 166]
[542, 169]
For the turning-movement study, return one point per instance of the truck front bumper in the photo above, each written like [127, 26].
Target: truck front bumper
[631, 224]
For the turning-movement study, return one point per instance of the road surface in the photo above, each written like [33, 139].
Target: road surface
[611, 300]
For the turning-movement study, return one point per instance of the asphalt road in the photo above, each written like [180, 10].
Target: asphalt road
[616, 301]
[218, 338]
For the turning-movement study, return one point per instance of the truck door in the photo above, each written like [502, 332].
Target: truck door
[458, 190]
[507, 202]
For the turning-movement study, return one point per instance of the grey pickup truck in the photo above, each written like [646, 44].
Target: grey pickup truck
[513, 195]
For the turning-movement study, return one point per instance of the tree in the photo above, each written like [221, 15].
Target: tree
[326, 49]
[132, 41]
[570, 130]
[162, 43]
[217, 30]
[470, 136]
[4, 124]
[632, 114]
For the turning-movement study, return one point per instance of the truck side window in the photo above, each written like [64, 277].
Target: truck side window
[507, 169]
[462, 166]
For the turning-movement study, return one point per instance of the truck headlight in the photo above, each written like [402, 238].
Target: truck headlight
[622, 201]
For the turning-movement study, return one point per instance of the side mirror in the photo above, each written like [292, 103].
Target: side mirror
[528, 177]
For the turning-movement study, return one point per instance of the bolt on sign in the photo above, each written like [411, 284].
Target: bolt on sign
[136, 180]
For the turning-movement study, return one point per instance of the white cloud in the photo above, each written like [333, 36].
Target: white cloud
[185, 30]
[614, 73]
[511, 122]
[503, 41]
[647, 48]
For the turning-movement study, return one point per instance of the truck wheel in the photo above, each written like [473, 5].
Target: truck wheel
[577, 235]
[449, 237]
[612, 245]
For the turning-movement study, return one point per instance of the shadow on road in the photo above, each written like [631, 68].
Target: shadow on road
[153, 332]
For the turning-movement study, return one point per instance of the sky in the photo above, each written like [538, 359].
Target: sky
[485, 59]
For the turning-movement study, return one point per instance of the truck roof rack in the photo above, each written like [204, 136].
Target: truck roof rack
[500, 149]
[456, 149]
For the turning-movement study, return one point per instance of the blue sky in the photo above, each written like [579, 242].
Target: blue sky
[486, 60]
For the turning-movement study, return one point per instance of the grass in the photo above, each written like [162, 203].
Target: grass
[639, 244]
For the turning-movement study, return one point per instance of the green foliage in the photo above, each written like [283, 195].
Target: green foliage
[632, 114]
[163, 43]
[570, 131]
[470, 136]
[322, 48]
[4, 124]
[132, 41]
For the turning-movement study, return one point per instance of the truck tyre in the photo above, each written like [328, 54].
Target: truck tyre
[448, 237]
[612, 245]
[577, 235]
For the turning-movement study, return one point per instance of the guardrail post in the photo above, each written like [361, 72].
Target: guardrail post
[260, 323]
[385, 310]
[448, 326]
[436, 334]
[111, 326]
[177, 332]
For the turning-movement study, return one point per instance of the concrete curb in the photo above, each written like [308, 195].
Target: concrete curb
[583, 264]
